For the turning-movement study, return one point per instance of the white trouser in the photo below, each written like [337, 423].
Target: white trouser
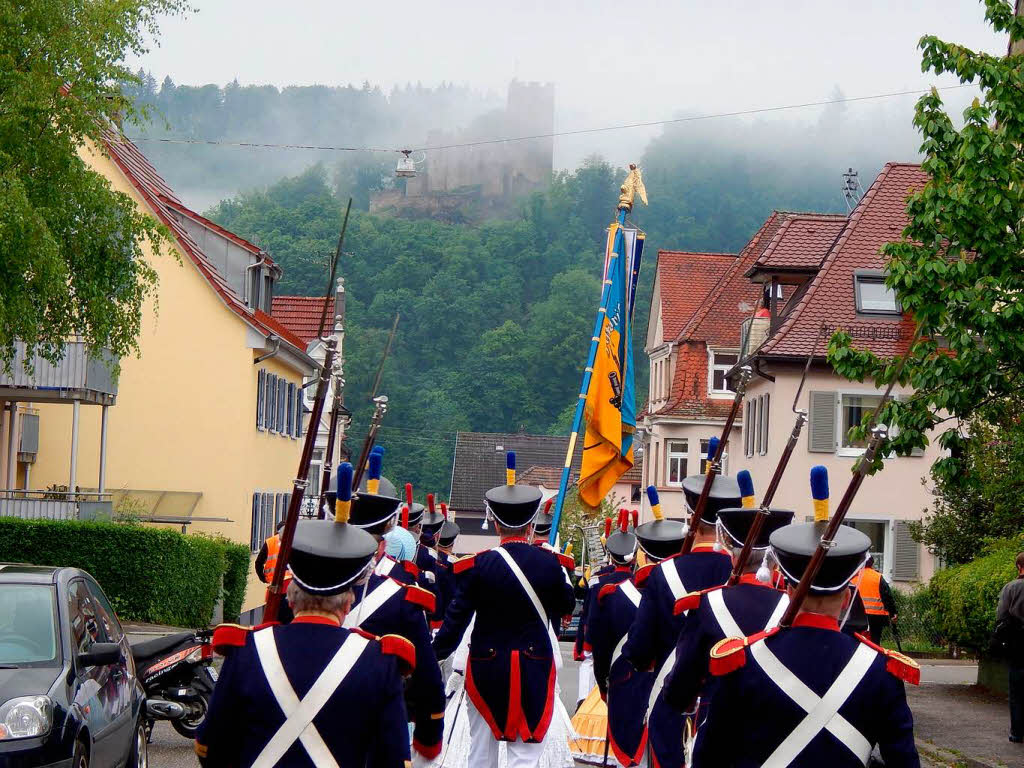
[483, 749]
[587, 679]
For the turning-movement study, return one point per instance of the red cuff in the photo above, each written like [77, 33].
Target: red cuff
[428, 751]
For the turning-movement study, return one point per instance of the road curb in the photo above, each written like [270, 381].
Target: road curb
[953, 758]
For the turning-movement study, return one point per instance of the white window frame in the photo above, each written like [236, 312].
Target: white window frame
[875, 277]
[670, 455]
[720, 394]
[889, 554]
[660, 388]
[841, 450]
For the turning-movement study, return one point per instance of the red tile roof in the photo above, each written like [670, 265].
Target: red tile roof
[162, 200]
[734, 297]
[301, 315]
[549, 477]
[689, 397]
[685, 280]
[879, 218]
[801, 243]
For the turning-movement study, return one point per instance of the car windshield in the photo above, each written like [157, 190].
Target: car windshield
[28, 632]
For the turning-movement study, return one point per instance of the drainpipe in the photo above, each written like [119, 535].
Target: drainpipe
[273, 352]
[12, 455]
[251, 300]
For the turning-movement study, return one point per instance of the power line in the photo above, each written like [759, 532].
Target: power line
[553, 134]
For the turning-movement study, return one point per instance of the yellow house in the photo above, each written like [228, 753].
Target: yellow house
[203, 429]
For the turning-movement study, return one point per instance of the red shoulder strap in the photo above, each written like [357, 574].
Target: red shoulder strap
[896, 664]
[691, 600]
[464, 563]
[566, 561]
[641, 575]
[411, 568]
[396, 645]
[606, 590]
[421, 597]
[228, 636]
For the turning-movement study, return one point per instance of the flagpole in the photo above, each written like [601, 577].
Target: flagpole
[577, 420]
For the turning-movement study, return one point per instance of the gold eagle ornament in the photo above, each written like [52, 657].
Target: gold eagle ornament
[632, 187]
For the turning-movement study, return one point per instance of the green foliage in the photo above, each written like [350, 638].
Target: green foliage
[236, 577]
[965, 596]
[576, 515]
[70, 255]
[149, 574]
[959, 269]
[979, 492]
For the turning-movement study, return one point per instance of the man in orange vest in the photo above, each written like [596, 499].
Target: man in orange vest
[877, 598]
[266, 562]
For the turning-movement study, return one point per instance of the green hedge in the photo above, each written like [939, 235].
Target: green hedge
[236, 577]
[149, 574]
[964, 597]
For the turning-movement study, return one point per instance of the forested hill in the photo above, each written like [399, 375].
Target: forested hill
[357, 116]
[496, 318]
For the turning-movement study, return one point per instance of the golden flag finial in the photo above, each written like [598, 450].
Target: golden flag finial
[631, 187]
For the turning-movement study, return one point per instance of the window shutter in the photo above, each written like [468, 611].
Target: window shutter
[821, 426]
[748, 427]
[271, 402]
[298, 412]
[906, 553]
[268, 516]
[261, 383]
[282, 393]
[765, 410]
[289, 407]
[254, 530]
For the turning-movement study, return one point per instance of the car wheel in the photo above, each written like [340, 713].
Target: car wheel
[139, 757]
[80, 759]
[188, 726]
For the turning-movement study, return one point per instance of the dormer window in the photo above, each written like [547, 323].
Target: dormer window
[719, 363]
[874, 297]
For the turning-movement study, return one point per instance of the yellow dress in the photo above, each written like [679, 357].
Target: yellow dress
[591, 725]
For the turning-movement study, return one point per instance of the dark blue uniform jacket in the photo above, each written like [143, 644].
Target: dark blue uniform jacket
[362, 724]
[510, 676]
[753, 698]
[608, 574]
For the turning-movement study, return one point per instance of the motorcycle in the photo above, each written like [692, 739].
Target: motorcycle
[178, 676]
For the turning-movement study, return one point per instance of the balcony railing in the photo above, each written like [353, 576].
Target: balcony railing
[78, 375]
[55, 505]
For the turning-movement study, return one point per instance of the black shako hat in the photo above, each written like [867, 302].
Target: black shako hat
[794, 545]
[621, 547]
[387, 488]
[514, 506]
[725, 493]
[415, 513]
[328, 557]
[542, 524]
[661, 538]
[432, 522]
[448, 533]
[373, 512]
[736, 522]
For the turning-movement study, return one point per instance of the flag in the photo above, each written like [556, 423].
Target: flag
[610, 408]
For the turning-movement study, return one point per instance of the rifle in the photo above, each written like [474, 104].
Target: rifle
[301, 481]
[325, 480]
[715, 467]
[878, 435]
[773, 485]
[379, 409]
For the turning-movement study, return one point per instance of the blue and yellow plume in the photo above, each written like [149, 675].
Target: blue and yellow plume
[712, 450]
[746, 484]
[819, 492]
[652, 496]
[343, 505]
[373, 471]
[510, 468]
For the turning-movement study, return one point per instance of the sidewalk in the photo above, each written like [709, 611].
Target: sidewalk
[963, 723]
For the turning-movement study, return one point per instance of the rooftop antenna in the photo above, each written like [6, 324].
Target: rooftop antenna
[851, 189]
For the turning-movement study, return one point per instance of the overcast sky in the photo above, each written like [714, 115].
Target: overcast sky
[611, 62]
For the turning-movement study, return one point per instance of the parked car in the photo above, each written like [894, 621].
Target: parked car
[69, 694]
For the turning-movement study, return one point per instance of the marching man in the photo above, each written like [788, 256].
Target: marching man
[518, 592]
[311, 693]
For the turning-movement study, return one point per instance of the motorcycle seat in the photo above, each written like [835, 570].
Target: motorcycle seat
[152, 648]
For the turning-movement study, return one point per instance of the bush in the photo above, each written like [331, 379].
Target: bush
[149, 574]
[236, 577]
[964, 597]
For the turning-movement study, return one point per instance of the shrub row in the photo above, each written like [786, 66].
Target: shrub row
[150, 574]
[964, 597]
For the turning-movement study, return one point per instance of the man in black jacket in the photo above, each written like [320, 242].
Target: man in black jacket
[1010, 636]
